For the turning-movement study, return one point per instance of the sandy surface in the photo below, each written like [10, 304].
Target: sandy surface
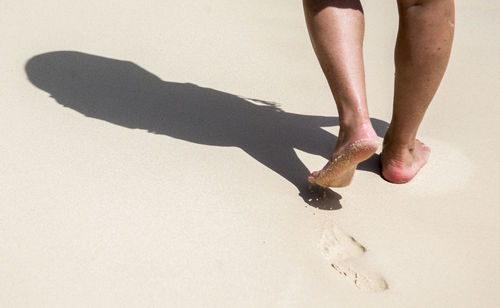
[152, 155]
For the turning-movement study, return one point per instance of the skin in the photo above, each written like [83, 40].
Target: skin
[423, 46]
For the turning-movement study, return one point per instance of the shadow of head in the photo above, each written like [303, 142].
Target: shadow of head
[123, 93]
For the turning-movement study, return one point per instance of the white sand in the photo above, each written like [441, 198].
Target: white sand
[97, 211]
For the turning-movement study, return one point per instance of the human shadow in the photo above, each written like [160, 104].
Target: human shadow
[125, 94]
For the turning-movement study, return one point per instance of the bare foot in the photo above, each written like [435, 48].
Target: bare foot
[401, 165]
[349, 152]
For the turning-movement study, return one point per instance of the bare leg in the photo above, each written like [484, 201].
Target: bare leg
[336, 28]
[422, 51]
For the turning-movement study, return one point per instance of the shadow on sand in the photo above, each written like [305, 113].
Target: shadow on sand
[123, 93]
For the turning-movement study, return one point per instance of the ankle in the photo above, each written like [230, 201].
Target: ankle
[398, 142]
[354, 121]
[398, 147]
[359, 130]
[397, 154]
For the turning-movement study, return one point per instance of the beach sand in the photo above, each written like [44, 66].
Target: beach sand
[157, 155]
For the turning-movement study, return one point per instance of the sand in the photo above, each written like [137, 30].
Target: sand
[153, 155]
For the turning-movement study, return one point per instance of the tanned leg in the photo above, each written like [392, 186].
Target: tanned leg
[336, 28]
[422, 52]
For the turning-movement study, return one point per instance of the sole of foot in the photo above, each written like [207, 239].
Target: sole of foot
[339, 171]
[402, 168]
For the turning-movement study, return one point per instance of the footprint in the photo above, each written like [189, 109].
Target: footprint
[345, 255]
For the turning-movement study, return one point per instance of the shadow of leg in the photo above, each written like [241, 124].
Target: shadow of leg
[372, 164]
[285, 162]
[321, 197]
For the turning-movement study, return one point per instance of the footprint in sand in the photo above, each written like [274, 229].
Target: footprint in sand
[345, 255]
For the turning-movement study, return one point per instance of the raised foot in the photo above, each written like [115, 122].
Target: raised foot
[401, 166]
[339, 171]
